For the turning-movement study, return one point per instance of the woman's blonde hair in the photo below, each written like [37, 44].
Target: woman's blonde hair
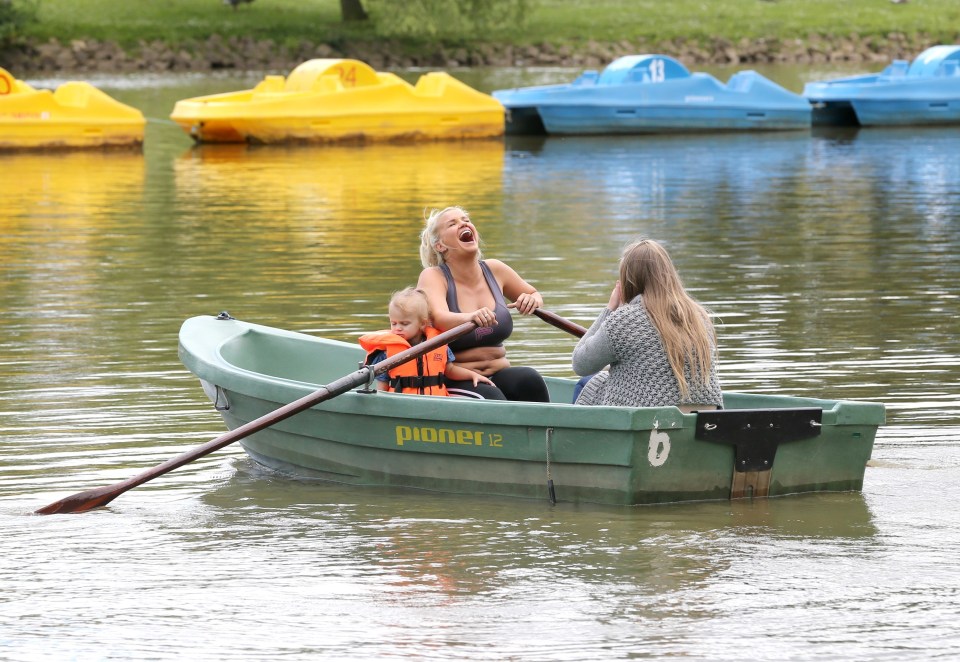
[412, 301]
[429, 255]
[688, 334]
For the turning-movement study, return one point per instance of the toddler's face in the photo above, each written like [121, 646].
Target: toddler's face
[405, 325]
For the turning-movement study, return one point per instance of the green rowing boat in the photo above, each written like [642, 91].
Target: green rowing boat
[760, 445]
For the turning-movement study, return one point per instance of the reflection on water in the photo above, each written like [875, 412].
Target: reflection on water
[449, 544]
[74, 186]
[63, 221]
[344, 219]
[830, 260]
[359, 183]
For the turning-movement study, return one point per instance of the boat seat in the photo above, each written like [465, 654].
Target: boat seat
[73, 93]
[742, 81]
[321, 84]
[949, 68]
[897, 68]
[270, 85]
[431, 84]
[588, 77]
[637, 75]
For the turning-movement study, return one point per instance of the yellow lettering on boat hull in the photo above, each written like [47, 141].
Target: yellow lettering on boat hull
[452, 436]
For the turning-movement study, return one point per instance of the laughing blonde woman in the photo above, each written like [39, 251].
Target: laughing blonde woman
[462, 287]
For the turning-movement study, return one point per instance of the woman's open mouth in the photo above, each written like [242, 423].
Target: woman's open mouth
[466, 235]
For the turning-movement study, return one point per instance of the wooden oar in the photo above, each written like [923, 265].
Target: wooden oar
[562, 324]
[100, 496]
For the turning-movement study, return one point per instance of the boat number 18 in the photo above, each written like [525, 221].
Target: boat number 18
[657, 71]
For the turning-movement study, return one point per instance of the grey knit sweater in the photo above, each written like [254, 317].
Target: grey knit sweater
[640, 373]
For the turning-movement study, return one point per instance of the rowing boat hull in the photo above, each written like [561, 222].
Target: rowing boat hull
[610, 455]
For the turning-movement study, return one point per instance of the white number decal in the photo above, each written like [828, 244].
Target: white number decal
[657, 71]
[659, 448]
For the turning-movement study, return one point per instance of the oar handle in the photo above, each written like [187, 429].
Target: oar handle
[563, 324]
[100, 496]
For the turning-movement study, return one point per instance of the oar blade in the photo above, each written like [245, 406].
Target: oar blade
[90, 499]
[80, 502]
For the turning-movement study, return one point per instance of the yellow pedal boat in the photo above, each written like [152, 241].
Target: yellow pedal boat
[75, 115]
[341, 100]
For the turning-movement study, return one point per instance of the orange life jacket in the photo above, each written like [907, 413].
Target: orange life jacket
[423, 375]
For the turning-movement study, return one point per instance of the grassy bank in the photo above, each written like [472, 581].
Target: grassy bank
[571, 22]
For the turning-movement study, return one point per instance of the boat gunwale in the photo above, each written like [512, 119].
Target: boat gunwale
[232, 376]
[357, 402]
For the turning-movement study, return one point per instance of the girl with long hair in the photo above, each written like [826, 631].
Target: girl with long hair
[658, 341]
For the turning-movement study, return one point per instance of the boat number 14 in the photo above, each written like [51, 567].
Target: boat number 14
[348, 75]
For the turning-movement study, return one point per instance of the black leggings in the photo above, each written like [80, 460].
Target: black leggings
[513, 383]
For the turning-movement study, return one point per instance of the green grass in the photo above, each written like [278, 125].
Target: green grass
[552, 21]
[129, 21]
[612, 20]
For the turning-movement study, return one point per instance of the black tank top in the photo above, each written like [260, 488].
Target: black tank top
[481, 336]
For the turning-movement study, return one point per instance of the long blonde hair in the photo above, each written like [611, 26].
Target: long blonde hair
[429, 255]
[688, 335]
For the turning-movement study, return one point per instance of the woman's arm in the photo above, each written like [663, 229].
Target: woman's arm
[524, 296]
[434, 285]
[594, 351]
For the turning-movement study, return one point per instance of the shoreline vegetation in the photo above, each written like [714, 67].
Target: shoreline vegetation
[128, 36]
[218, 53]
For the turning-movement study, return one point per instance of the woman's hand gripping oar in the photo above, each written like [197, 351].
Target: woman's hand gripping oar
[100, 496]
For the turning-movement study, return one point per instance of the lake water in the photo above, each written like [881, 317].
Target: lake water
[831, 259]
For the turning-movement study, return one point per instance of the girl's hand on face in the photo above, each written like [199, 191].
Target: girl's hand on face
[527, 302]
[615, 297]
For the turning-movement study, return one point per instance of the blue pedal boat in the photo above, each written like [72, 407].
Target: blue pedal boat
[638, 94]
[926, 91]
